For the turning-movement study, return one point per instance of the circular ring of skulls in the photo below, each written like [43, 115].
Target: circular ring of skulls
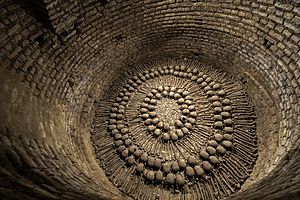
[175, 127]
[163, 126]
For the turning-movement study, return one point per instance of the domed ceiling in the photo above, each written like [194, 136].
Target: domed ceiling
[149, 99]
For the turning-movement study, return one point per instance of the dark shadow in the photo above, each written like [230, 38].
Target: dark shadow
[267, 43]
[103, 2]
[198, 54]
[244, 81]
[36, 9]
[40, 40]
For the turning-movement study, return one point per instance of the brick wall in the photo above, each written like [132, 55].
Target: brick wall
[87, 43]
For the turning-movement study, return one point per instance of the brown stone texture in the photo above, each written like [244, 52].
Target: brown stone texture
[60, 16]
[59, 58]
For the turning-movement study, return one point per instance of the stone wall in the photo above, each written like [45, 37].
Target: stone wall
[52, 75]
[60, 16]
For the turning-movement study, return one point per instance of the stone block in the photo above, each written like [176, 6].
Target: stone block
[13, 29]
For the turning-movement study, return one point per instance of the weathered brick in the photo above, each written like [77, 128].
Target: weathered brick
[78, 43]
[13, 29]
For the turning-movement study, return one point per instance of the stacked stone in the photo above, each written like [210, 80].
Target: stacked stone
[262, 36]
[60, 15]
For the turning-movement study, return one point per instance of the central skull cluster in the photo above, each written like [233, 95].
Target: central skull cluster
[168, 113]
[172, 128]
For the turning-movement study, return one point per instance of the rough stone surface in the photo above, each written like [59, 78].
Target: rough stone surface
[57, 64]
